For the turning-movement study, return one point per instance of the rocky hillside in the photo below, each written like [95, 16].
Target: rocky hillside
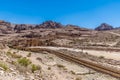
[104, 26]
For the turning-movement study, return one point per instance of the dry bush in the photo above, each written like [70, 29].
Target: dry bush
[101, 57]
[72, 72]
[49, 68]
[78, 78]
[60, 66]
[39, 59]
[29, 55]
[23, 65]
[13, 55]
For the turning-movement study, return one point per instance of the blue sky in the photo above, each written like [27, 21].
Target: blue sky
[85, 13]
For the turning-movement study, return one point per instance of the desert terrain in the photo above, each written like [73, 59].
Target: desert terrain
[31, 52]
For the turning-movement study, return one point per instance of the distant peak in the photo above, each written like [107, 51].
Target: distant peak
[50, 24]
[104, 26]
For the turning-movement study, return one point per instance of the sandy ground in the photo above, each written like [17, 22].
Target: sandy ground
[68, 71]
[106, 54]
[117, 34]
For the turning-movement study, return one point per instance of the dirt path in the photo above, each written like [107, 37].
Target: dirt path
[106, 54]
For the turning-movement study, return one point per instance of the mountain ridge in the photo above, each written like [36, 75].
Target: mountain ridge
[7, 26]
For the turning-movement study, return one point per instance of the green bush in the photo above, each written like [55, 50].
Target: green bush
[4, 66]
[35, 67]
[24, 61]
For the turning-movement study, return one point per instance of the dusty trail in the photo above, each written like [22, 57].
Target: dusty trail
[106, 54]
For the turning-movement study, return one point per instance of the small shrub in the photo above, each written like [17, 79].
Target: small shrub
[29, 55]
[24, 61]
[60, 66]
[78, 79]
[51, 57]
[86, 53]
[8, 53]
[39, 59]
[49, 68]
[101, 57]
[13, 55]
[72, 72]
[13, 62]
[4, 66]
[35, 67]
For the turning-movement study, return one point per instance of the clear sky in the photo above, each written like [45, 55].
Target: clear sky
[85, 13]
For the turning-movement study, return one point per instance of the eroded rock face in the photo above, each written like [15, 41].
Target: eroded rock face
[104, 26]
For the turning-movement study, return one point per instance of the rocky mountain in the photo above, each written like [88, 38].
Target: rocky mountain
[104, 26]
[49, 24]
[7, 27]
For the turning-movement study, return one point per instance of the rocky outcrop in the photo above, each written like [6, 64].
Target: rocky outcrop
[49, 24]
[5, 27]
[20, 27]
[103, 27]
